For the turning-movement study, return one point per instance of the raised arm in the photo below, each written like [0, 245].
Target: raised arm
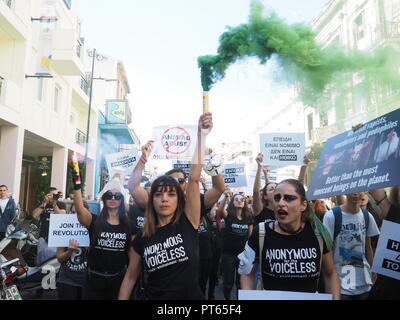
[84, 216]
[382, 201]
[257, 201]
[303, 170]
[192, 204]
[138, 193]
[221, 211]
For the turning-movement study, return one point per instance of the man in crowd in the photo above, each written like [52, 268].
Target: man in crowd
[7, 210]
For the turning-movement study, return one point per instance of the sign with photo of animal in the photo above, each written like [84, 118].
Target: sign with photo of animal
[361, 160]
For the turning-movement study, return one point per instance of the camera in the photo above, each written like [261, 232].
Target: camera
[56, 196]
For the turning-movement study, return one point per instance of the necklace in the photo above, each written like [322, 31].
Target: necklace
[290, 232]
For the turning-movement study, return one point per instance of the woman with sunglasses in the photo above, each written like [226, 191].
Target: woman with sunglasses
[168, 246]
[238, 228]
[294, 251]
[110, 237]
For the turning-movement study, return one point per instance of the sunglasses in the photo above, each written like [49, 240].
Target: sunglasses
[109, 195]
[239, 199]
[286, 197]
[180, 180]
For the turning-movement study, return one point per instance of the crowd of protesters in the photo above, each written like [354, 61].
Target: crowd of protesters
[173, 242]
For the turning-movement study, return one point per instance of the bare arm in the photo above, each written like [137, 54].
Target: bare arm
[221, 212]
[63, 254]
[84, 216]
[218, 188]
[381, 199]
[131, 275]
[138, 193]
[192, 203]
[247, 280]
[303, 170]
[257, 201]
[250, 231]
[39, 210]
[332, 282]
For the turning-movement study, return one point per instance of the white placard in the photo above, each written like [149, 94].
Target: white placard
[387, 255]
[283, 149]
[64, 227]
[235, 175]
[126, 160]
[174, 142]
[181, 164]
[281, 295]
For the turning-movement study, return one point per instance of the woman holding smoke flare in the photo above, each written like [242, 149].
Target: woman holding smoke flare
[169, 243]
[295, 249]
[238, 228]
[110, 237]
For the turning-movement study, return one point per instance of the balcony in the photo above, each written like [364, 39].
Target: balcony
[67, 57]
[80, 137]
[12, 18]
[85, 86]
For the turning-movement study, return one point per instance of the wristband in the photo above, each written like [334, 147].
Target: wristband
[379, 202]
[142, 160]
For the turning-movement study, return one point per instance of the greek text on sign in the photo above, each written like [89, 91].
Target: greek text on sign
[282, 149]
[174, 142]
[387, 255]
[65, 227]
[126, 160]
[235, 175]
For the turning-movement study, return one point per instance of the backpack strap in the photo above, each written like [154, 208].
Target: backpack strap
[337, 213]
[261, 237]
[366, 219]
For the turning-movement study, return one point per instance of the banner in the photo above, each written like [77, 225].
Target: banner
[116, 111]
[283, 149]
[235, 175]
[65, 227]
[281, 295]
[184, 165]
[174, 142]
[45, 45]
[126, 160]
[366, 159]
[387, 254]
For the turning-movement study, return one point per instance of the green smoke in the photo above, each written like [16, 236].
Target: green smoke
[313, 69]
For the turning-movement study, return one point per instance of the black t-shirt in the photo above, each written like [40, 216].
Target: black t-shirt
[290, 263]
[205, 238]
[265, 214]
[45, 219]
[171, 258]
[235, 234]
[136, 216]
[216, 235]
[109, 251]
[73, 270]
[386, 288]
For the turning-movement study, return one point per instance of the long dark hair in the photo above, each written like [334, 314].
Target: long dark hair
[264, 193]
[162, 184]
[246, 212]
[102, 219]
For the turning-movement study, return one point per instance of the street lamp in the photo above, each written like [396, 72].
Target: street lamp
[95, 56]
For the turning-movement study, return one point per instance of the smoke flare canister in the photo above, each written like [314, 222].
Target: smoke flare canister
[75, 165]
[205, 102]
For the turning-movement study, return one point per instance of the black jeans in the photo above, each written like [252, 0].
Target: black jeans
[68, 292]
[363, 296]
[215, 263]
[230, 264]
[205, 271]
[97, 287]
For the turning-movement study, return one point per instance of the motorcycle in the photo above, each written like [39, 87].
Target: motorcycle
[21, 241]
[8, 290]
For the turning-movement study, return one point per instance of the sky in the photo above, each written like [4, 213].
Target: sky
[159, 42]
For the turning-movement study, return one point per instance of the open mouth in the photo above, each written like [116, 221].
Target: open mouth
[282, 214]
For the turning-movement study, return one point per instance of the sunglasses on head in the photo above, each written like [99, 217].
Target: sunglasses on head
[240, 199]
[286, 197]
[180, 180]
[109, 195]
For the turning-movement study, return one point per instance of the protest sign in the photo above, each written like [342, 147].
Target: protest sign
[283, 149]
[184, 165]
[126, 160]
[64, 227]
[387, 254]
[281, 295]
[361, 160]
[174, 142]
[235, 175]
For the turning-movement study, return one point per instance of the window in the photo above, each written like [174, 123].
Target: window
[359, 26]
[310, 125]
[57, 98]
[39, 89]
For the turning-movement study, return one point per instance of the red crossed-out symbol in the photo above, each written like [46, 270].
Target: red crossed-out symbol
[177, 138]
